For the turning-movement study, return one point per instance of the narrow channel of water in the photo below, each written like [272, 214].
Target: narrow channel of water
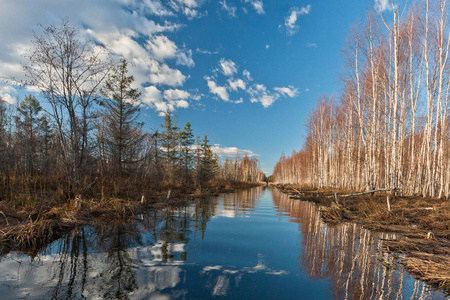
[253, 244]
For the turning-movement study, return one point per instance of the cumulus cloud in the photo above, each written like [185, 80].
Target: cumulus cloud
[290, 22]
[152, 96]
[228, 67]
[289, 91]
[257, 5]
[161, 48]
[169, 99]
[231, 152]
[230, 9]
[189, 8]
[236, 84]
[175, 95]
[220, 91]
[118, 26]
[258, 93]
[161, 73]
[8, 94]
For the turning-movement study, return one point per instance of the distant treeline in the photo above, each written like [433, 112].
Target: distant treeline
[89, 134]
[391, 126]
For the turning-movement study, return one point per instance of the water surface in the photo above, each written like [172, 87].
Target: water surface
[253, 244]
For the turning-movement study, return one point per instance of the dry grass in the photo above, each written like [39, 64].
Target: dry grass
[29, 220]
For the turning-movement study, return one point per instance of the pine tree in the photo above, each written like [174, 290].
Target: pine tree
[169, 142]
[208, 161]
[186, 141]
[28, 123]
[124, 134]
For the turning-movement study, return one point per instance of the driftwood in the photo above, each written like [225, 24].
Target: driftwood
[369, 192]
[301, 194]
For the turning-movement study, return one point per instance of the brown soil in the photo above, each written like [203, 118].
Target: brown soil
[28, 223]
[423, 224]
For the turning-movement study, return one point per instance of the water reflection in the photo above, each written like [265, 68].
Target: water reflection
[123, 261]
[350, 256]
[241, 245]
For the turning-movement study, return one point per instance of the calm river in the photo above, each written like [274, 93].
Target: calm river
[253, 244]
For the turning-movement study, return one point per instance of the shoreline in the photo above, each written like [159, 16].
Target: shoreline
[423, 225]
[28, 228]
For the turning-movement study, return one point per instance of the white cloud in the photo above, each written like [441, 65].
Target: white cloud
[267, 46]
[182, 104]
[169, 99]
[382, 5]
[142, 64]
[247, 75]
[228, 67]
[7, 94]
[176, 94]
[259, 93]
[116, 25]
[198, 50]
[257, 5]
[161, 48]
[220, 91]
[163, 74]
[231, 10]
[155, 7]
[289, 91]
[189, 8]
[151, 95]
[231, 152]
[311, 45]
[290, 21]
[236, 84]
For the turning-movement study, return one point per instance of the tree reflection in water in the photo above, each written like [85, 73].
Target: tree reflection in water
[350, 256]
[120, 261]
[169, 253]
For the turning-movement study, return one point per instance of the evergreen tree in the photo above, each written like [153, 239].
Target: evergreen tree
[208, 161]
[169, 142]
[186, 141]
[124, 134]
[28, 123]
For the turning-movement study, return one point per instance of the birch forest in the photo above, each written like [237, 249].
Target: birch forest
[389, 126]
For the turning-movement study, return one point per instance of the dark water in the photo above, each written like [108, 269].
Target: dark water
[254, 244]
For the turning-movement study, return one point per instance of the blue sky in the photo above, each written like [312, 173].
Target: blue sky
[246, 71]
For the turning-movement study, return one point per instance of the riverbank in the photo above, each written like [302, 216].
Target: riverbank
[28, 223]
[423, 225]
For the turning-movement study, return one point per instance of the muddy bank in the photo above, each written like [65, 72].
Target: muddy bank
[423, 225]
[28, 223]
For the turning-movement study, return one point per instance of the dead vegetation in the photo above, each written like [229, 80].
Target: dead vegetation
[423, 225]
[29, 221]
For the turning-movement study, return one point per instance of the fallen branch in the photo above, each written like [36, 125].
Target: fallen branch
[301, 194]
[369, 192]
